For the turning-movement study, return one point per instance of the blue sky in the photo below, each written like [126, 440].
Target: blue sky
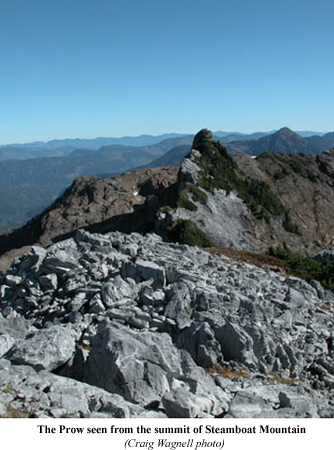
[87, 68]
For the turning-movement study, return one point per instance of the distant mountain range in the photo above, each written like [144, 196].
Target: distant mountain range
[63, 147]
[281, 141]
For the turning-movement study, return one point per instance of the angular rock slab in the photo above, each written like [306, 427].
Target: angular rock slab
[273, 401]
[184, 403]
[145, 270]
[43, 394]
[143, 366]
[47, 349]
[200, 342]
[236, 344]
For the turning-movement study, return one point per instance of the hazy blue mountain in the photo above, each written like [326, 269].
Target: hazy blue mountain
[322, 143]
[17, 205]
[96, 143]
[16, 152]
[222, 134]
[62, 147]
[239, 136]
[234, 136]
[282, 141]
[174, 157]
[310, 133]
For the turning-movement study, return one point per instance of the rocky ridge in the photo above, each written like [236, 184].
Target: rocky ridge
[127, 202]
[122, 325]
[249, 203]
[305, 186]
[255, 203]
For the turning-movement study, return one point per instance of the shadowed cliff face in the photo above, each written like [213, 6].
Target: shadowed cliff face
[127, 202]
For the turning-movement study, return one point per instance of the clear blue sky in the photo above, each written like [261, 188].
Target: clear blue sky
[87, 68]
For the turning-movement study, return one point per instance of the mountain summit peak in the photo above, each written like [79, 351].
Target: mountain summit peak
[202, 137]
[286, 131]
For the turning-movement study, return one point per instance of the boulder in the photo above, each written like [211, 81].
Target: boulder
[179, 304]
[145, 270]
[236, 344]
[144, 366]
[27, 393]
[6, 342]
[48, 282]
[199, 341]
[47, 349]
[117, 292]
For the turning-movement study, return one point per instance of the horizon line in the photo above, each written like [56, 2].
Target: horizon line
[157, 135]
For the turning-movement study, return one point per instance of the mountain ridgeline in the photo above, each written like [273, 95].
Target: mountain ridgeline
[282, 141]
[63, 147]
[254, 203]
[213, 199]
[33, 175]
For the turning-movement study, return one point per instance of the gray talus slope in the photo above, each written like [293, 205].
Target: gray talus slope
[130, 326]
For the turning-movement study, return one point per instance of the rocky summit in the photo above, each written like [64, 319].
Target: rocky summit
[254, 203]
[120, 325]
